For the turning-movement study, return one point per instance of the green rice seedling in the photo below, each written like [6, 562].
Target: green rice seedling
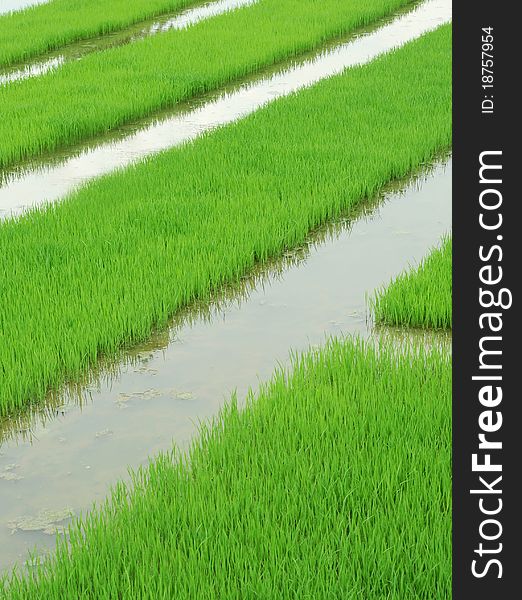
[84, 277]
[420, 297]
[107, 89]
[54, 24]
[334, 482]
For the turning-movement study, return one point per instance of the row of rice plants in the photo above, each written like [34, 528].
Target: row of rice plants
[309, 492]
[420, 297]
[99, 270]
[107, 89]
[52, 25]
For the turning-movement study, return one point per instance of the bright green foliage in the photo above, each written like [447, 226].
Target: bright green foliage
[107, 89]
[40, 28]
[100, 269]
[335, 482]
[419, 298]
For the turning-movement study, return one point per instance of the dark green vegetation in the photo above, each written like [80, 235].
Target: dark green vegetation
[99, 270]
[58, 22]
[106, 89]
[335, 482]
[421, 297]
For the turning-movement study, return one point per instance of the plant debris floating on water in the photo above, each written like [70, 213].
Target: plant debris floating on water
[8, 474]
[49, 521]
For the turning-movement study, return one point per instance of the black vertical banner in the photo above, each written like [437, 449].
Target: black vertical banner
[487, 266]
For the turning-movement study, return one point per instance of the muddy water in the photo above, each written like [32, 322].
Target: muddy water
[25, 188]
[76, 50]
[58, 462]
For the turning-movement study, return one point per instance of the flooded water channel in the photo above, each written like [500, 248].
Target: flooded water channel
[26, 187]
[57, 462]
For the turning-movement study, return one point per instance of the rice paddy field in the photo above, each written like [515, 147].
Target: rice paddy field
[107, 89]
[331, 479]
[56, 23]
